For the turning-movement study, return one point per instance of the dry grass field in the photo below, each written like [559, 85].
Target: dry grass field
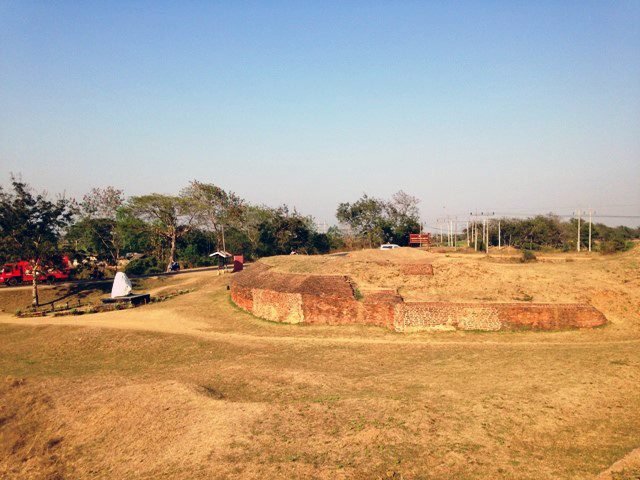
[196, 388]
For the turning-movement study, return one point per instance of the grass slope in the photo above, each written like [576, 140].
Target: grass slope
[195, 388]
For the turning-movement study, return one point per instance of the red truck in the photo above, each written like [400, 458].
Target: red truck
[21, 272]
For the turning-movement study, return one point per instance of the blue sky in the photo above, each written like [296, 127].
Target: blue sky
[503, 106]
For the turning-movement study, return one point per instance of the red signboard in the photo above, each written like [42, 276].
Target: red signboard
[238, 263]
[422, 239]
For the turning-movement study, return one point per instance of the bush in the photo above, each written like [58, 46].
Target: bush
[615, 244]
[528, 256]
[143, 266]
[195, 255]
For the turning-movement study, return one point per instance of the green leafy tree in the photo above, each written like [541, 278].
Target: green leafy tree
[97, 231]
[403, 217]
[366, 217]
[256, 218]
[134, 234]
[376, 220]
[214, 208]
[30, 228]
[336, 238]
[283, 232]
[166, 217]
[194, 248]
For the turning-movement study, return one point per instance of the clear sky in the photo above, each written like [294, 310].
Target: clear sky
[504, 106]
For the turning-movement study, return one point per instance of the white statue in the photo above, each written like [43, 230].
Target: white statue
[121, 285]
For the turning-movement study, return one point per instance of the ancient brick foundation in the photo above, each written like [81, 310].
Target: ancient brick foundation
[494, 316]
[330, 300]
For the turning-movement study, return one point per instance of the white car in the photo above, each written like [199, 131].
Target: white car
[388, 246]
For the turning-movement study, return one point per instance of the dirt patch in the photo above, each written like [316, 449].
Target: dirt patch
[417, 269]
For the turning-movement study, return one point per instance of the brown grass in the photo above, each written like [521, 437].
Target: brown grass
[195, 388]
[610, 283]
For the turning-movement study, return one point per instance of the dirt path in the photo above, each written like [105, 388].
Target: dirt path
[207, 312]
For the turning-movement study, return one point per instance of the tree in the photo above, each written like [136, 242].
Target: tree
[255, 218]
[365, 216]
[165, 216]
[102, 203]
[30, 228]
[378, 220]
[215, 209]
[405, 206]
[98, 231]
[283, 232]
[94, 236]
[403, 217]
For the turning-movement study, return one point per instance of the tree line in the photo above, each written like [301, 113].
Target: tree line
[161, 229]
[550, 232]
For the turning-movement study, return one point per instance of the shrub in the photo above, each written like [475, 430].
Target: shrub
[615, 244]
[143, 266]
[528, 256]
[204, 262]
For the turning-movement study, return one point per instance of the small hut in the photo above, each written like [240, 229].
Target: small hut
[223, 258]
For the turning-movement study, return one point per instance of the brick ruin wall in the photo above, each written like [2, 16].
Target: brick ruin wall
[330, 300]
[495, 316]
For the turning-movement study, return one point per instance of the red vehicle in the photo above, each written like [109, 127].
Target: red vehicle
[21, 272]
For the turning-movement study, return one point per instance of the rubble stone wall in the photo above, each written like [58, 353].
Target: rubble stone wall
[444, 315]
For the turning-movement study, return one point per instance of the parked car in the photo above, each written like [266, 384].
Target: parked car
[388, 246]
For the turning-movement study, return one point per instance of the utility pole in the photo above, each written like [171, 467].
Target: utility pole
[445, 224]
[475, 235]
[484, 230]
[455, 232]
[499, 238]
[451, 229]
[475, 231]
[468, 244]
[487, 235]
[446, 220]
[578, 242]
[590, 217]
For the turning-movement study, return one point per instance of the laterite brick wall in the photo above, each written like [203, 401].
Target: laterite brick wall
[277, 306]
[495, 316]
[330, 300]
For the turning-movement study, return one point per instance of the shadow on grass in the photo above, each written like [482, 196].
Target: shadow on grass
[77, 291]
